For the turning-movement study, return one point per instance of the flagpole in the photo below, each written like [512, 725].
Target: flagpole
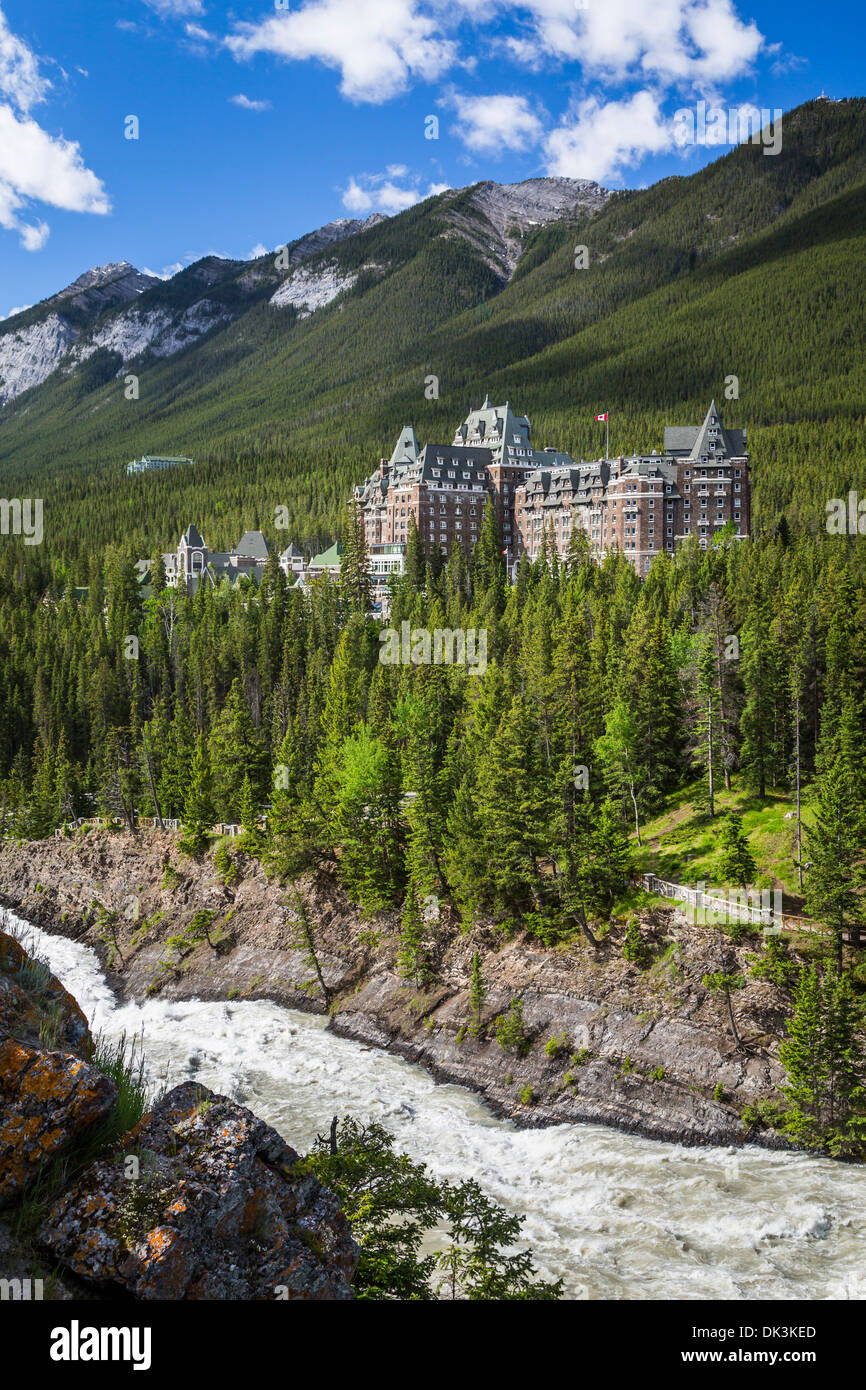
[606, 437]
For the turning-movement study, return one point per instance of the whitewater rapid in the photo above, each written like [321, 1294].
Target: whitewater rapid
[612, 1214]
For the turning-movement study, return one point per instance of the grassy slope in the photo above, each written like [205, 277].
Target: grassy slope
[681, 844]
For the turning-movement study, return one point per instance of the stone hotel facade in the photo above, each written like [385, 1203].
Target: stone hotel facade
[641, 505]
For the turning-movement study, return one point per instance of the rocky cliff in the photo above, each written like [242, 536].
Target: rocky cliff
[499, 215]
[197, 1200]
[644, 1050]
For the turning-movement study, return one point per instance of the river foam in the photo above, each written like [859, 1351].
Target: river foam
[614, 1215]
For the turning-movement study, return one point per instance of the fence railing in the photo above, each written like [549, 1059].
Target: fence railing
[733, 906]
[149, 823]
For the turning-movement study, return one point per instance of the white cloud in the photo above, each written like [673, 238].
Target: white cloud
[368, 193]
[249, 104]
[20, 79]
[34, 238]
[697, 42]
[382, 46]
[195, 31]
[176, 8]
[166, 272]
[19, 309]
[48, 168]
[377, 48]
[496, 123]
[36, 166]
[258, 251]
[599, 140]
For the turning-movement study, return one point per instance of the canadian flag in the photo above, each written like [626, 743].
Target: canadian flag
[602, 417]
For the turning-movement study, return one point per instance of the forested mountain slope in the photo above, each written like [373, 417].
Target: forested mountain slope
[751, 268]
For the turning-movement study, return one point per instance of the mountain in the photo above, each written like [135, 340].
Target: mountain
[743, 281]
[109, 311]
[34, 342]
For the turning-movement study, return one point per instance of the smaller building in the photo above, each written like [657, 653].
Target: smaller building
[194, 562]
[151, 463]
[292, 561]
[327, 562]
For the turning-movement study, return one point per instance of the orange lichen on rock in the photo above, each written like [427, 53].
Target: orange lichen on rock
[48, 1100]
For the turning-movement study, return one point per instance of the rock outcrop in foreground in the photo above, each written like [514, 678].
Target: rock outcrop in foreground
[200, 1200]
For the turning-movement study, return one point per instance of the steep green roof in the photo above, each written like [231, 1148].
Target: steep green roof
[329, 559]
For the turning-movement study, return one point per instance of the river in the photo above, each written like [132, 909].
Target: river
[614, 1215]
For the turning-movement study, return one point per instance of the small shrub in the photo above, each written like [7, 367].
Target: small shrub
[226, 868]
[775, 963]
[510, 1033]
[557, 1045]
[764, 1114]
[525, 1095]
[635, 949]
[719, 1092]
[658, 1073]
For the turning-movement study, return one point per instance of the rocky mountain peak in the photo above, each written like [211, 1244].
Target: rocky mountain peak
[115, 283]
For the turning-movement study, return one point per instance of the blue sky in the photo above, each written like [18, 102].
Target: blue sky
[260, 121]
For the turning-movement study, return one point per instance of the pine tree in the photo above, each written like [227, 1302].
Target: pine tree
[354, 562]
[803, 1054]
[836, 876]
[198, 813]
[416, 564]
[366, 815]
[411, 956]
[735, 862]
